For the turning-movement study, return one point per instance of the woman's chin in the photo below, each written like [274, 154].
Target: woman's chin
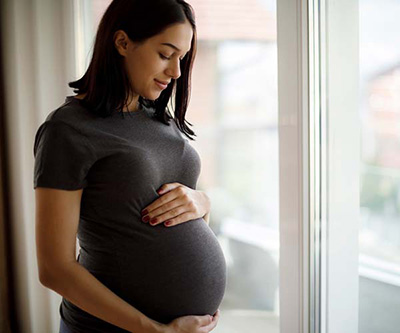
[152, 96]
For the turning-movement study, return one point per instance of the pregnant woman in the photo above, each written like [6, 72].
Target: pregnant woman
[113, 166]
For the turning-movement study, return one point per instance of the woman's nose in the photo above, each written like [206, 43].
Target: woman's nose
[174, 70]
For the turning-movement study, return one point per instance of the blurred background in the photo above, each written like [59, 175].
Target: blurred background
[46, 44]
[379, 259]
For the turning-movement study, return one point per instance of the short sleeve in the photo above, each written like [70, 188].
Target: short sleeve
[63, 157]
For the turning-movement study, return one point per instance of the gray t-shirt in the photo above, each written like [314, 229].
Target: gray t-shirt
[164, 272]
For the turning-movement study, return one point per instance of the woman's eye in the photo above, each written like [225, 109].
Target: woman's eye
[166, 58]
[163, 56]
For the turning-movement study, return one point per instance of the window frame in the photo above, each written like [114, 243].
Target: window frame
[319, 176]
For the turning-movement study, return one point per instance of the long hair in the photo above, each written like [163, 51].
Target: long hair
[106, 82]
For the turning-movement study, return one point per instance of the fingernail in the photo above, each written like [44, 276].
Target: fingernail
[144, 211]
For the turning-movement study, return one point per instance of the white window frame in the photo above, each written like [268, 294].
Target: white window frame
[293, 165]
[342, 197]
[319, 150]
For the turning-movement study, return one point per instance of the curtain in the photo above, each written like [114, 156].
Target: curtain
[38, 57]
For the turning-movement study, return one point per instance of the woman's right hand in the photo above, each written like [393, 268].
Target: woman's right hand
[192, 324]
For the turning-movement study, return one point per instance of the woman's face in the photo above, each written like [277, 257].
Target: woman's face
[147, 63]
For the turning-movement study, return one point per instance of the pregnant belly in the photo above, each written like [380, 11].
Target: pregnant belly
[177, 271]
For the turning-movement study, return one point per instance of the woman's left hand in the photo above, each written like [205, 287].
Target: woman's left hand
[177, 204]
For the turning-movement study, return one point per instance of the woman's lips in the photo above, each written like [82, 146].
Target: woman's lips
[161, 85]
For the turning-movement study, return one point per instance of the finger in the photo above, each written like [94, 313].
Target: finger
[204, 320]
[168, 210]
[162, 200]
[154, 205]
[210, 326]
[168, 187]
[173, 211]
[214, 322]
[185, 217]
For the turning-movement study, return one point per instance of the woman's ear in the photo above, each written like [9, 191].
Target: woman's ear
[121, 40]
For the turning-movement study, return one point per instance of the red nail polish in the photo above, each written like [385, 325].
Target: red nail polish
[168, 223]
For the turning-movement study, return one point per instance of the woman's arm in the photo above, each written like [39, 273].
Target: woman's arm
[80, 287]
[57, 218]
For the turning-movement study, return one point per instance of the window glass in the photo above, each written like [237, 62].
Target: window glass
[379, 264]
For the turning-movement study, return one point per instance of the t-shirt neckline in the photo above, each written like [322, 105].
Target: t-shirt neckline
[122, 115]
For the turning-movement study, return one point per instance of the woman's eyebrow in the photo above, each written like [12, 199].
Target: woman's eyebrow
[171, 45]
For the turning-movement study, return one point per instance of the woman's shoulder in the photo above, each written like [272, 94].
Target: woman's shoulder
[70, 113]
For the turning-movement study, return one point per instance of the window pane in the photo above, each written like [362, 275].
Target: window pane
[380, 173]
[233, 108]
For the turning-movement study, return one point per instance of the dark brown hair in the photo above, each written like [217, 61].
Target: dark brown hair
[106, 82]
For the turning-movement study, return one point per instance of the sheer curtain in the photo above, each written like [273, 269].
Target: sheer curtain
[38, 59]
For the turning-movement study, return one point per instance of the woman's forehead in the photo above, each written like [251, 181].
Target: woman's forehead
[177, 37]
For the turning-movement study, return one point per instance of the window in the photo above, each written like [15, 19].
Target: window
[380, 166]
